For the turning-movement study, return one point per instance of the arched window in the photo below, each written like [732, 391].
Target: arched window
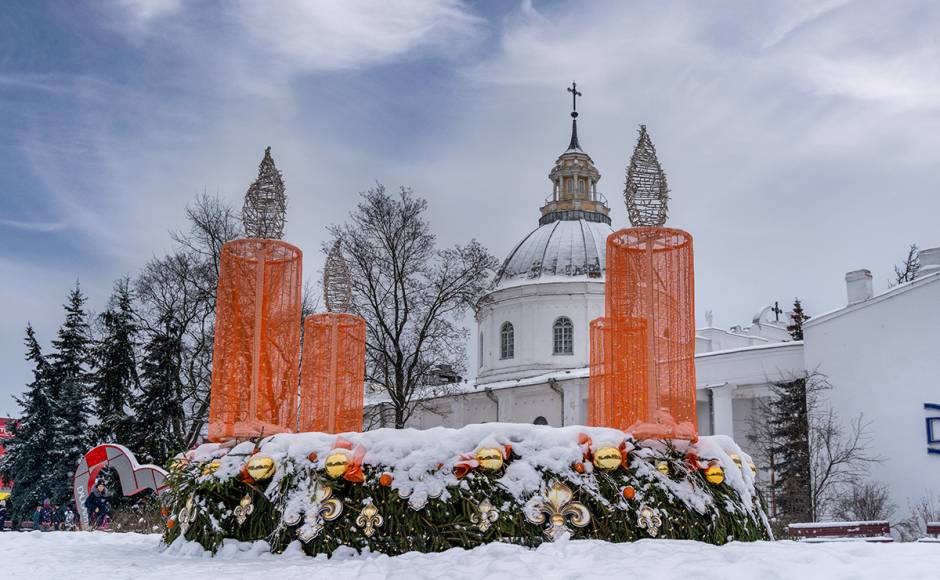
[507, 341]
[563, 336]
[540, 420]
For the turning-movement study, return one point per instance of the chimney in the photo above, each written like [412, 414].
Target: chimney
[929, 260]
[858, 286]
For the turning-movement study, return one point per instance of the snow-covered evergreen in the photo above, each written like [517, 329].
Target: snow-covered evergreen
[69, 397]
[115, 377]
[25, 461]
[789, 423]
[157, 431]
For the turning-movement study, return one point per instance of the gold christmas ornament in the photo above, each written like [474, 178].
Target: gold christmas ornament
[556, 505]
[753, 467]
[187, 515]
[369, 519]
[663, 467]
[607, 458]
[714, 474]
[323, 508]
[261, 467]
[649, 519]
[244, 509]
[337, 463]
[490, 458]
[211, 467]
[736, 458]
[485, 516]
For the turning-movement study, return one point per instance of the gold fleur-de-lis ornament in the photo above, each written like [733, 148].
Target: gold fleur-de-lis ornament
[557, 505]
[649, 519]
[323, 508]
[485, 516]
[369, 519]
[187, 515]
[244, 509]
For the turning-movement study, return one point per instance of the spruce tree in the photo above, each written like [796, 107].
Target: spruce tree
[789, 426]
[68, 396]
[115, 359]
[26, 461]
[158, 411]
[797, 318]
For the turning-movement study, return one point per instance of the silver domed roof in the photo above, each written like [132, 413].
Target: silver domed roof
[556, 251]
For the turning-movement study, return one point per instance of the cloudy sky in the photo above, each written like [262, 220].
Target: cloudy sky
[800, 138]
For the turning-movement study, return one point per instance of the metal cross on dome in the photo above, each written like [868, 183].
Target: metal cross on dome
[777, 311]
[575, 93]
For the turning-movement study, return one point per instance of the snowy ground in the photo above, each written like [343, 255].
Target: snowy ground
[39, 556]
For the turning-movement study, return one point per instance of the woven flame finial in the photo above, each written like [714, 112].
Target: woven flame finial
[646, 193]
[337, 285]
[265, 209]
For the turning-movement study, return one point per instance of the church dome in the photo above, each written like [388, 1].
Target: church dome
[562, 250]
[570, 242]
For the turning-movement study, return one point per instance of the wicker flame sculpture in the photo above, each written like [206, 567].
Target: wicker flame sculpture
[257, 340]
[646, 193]
[332, 378]
[264, 212]
[642, 369]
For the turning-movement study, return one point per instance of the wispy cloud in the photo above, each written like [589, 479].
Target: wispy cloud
[42, 227]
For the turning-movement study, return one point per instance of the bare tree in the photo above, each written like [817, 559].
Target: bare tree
[907, 270]
[181, 286]
[411, 294]
[813, 457]
[838, 453]
[865, 501]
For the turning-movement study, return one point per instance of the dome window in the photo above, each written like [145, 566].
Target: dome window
[507, 341]
[563, 336]
[540, 420]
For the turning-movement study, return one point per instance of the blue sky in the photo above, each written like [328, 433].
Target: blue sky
[800, 138]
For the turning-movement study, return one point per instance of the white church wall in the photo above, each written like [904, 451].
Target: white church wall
[882, 358]
[532, 310]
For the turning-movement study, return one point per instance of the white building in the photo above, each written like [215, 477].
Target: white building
[881, 354]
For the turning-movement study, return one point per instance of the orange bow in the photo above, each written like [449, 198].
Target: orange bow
[468, 461]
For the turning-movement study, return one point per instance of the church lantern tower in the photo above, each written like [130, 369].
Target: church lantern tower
[574, 181]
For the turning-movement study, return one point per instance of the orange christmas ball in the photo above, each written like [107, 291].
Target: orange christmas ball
[629, 492]
[385, 479]
[170, 524]
[312, 457]
[579, 467]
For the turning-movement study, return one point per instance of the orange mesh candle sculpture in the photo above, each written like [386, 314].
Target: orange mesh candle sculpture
[257, 340]
[643, 349]
[332, 378]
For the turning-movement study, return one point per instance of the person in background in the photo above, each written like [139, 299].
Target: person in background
[97, 506]
[37, 517]
[56, 517]
[45, 515]
[3, 515]
[68, 518]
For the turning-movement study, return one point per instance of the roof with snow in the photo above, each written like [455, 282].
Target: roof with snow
[555, 252]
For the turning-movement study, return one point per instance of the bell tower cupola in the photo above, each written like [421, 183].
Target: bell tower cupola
[574, 181]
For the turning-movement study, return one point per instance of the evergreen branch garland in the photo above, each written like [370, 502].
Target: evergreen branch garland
[447, 521]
